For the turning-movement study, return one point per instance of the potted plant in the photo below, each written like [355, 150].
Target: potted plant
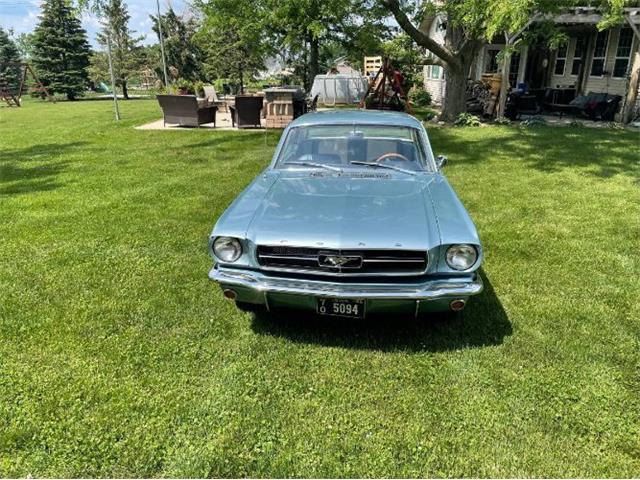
[199, 89]
[185, 87]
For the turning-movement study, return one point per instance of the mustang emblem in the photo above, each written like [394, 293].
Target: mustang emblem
[340, 261]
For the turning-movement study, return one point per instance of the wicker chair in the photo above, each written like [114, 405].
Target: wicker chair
[184, 111]
[246, 112]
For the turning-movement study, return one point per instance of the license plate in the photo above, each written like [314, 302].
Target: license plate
[340, 307]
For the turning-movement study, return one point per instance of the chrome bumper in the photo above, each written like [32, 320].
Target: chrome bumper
[257, 285]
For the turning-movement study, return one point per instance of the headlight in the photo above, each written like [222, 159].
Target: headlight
[461, 257]
[227, 249]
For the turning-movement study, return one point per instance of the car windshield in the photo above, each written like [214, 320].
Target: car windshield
[336, 147]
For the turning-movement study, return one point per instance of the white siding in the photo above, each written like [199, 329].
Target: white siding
[607, 83]
[436, 87]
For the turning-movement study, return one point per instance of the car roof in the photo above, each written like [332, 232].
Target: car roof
[371, 117]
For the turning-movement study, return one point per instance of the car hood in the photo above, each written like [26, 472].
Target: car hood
[346, 211]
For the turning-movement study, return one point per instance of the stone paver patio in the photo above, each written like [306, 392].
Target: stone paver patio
[223, 122]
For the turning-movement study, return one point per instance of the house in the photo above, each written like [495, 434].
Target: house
[590, 61]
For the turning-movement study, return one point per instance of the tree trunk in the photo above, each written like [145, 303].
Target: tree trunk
[241, 76]
[314, 60]
[632, 89]
[125, 90]
[504, 85]
[455, 99]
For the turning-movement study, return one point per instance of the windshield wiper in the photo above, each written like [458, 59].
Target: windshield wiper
[382, 165]
[312, 164]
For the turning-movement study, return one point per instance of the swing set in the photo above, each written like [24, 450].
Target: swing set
[13, 98]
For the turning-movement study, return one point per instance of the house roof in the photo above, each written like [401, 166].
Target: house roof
[592, 15]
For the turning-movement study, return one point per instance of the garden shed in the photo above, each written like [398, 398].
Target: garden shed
[339, 88]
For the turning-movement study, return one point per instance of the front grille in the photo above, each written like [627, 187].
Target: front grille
[343, 262]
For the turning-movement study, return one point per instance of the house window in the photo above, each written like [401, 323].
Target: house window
[491, 61]
[623, 52]
[561, 60]
[599, 54]
[434, 72]
[577, 55]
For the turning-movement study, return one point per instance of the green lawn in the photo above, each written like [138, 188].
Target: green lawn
[118, 357]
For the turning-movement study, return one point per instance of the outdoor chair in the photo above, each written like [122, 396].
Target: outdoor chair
[246, 112]
[184, 111]
[212, 97]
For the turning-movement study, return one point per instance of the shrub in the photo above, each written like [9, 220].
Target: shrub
[467, 120]
[426, 115]
[184, 87]
[535, 121]
[502, 121]
[419, 97]
[199, 89]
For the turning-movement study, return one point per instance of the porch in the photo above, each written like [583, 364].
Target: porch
[604, 62]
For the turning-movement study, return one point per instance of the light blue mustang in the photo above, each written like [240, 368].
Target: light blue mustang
[352, 217]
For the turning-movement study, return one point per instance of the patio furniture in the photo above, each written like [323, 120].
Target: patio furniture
[184, 111]
[246, 111]
[519, 103]
[594, 105]
[212, 97]
[559, 100]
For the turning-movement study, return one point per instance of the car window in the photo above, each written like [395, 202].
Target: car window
[338, 145]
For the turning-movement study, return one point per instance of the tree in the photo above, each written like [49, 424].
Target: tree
[470, 23]
[182, 52]
[60, 50]
[232, 37]
[127, 55]
[303, 27]
[9, 61]
[24, 42]
[466, 28]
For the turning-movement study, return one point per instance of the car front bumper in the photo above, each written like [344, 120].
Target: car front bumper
[411, 297]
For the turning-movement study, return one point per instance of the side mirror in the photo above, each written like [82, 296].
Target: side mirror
[441, 161]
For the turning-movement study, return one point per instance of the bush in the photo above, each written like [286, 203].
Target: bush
[467, 120]
[419, 97]
[502, 121]
[198, 87]
[184, 86]
[535, 121]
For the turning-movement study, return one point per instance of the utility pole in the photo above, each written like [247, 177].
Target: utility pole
[113, 78]
[164, 61]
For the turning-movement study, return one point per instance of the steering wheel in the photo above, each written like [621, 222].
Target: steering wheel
[391, 155]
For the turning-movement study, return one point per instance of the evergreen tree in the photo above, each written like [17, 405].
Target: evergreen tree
[183, 54]
[9, 62]
[60, 50]
[127, 55]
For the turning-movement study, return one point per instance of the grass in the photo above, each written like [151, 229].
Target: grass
[119, 358]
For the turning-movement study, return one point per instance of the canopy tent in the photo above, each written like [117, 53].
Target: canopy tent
[339, 88]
